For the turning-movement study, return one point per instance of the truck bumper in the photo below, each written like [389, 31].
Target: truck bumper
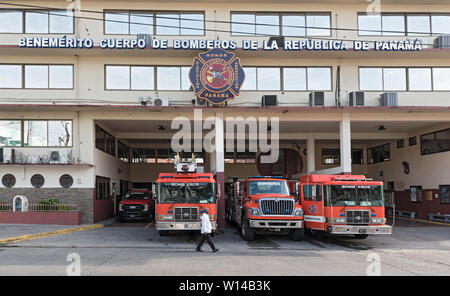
[276, 224]
[134, 215]
[181, 225]
[353, 229]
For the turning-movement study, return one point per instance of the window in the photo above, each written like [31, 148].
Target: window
[419, 79]
[268, 24]
[357, 156]
[312, 192]
[129, 78]
[11, 21]
[245, 157]
[393, 25]
[441, 78]
[331, 156]
[10, 76]
[440, 24]
[400, 144]
[369, 25]
[412, 141]
[250, 79]
[10, 133]
[378, 154]
[378, 79]
[141, 23]
[104, 141]
[294, 79]
[102, 188]
[416, 194]
[144, 155]
[163, 156]
[435, 142]
[319, 78]
[229, 157]
[370, 78]
[444, 192]
[123, 151]
[41, 133]
[394, 79]
[116, 23]
[45, 21]
[418, 25]
[268, 78]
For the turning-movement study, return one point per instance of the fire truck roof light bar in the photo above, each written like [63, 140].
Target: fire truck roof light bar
[259, 177]
[339, 179]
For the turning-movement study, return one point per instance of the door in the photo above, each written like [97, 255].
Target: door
[312, 202]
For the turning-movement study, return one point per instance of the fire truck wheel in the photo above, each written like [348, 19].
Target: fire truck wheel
[298, 234]
[361, 236]
[163, 233]
[247, 232]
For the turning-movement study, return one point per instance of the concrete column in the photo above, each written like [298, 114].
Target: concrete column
[310, 154]
[345, 143]
[220, 168]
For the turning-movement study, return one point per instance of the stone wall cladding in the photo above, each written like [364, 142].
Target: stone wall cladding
[82, 197]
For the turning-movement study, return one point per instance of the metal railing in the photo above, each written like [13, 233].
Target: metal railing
[59, 207]
[5, 207]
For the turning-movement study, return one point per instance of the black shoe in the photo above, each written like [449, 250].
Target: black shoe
[215, 250]
[198, 250]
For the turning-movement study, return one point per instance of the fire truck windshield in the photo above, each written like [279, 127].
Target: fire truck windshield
[136, 195]
[354, 195]
[186, 193]
[268, 187]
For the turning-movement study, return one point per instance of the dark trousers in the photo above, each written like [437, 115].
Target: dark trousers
[207, 237]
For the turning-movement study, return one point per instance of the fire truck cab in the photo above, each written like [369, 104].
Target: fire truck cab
[262, 204]
[343, 204]
[181, 198]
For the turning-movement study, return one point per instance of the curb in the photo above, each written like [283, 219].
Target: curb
[423, 221]
[22, 238]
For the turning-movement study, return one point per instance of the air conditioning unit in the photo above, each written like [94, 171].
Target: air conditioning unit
[58, 156]
[356, 98]
[200, 102]
[269, 100]
[160, 102]
[146, 37]
[8, 155]
[317, 98]
[278, 39]
[442, 42]
[389, 99]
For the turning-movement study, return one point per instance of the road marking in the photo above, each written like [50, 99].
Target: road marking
[148, 225]
[424, 221]
[22, 238]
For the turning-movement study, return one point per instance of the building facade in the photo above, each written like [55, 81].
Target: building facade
[89, 91]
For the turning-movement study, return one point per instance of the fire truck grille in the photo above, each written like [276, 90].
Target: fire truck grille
[186, 214]
[358, 217]
[276, 206]
[133, 207]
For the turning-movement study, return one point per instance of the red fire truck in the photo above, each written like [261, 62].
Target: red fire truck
[263, 204]
[343, 204]
[181, 197]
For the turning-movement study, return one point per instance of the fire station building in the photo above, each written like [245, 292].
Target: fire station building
[89, 91]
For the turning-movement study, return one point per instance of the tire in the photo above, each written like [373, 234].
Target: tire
[163, 232]
[247, 232]
[361, 236]
[298, 234]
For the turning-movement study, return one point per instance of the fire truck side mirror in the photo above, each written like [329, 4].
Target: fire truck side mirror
[297, 190]
[238, 188]
[217, 191]
[154, 191]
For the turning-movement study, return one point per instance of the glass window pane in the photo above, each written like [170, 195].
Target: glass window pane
[10, 76]
[369, 24]
[319, 79]
[142, 78]
[167, 24]
[393, 25]
[185, 82]
[443, 140]
[427, 144]
[293, 25]
[35, 133]
[318, 25]
[418, 25]
[141, 23]
[168, 78]
[118, 77]
[440, 24]
[36, 21]
[36, 76]
[243, 24]
[268, 78]
[61, 21]
[116, 22]
[10, 132]
[267, 25]
[61, 76]
[370, 78]
[192, 24]
[11, 21]
[294, 78]
[394, 78]
[419, 79]
[250, 79]
[441, 78]
[60, 133]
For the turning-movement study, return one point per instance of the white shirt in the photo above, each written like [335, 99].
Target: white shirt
[206, 224]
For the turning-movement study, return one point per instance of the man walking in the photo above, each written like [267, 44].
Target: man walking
[206, 231]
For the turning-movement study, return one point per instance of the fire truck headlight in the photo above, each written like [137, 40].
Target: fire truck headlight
[253, 212]
[339, 220]
[298, 212]
[164, 217]
[120, 207]
[378, 220]
[145, 208]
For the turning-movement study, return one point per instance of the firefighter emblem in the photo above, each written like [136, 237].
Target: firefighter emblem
[216, 76]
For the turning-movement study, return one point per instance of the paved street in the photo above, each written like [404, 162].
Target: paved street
[136, 249]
